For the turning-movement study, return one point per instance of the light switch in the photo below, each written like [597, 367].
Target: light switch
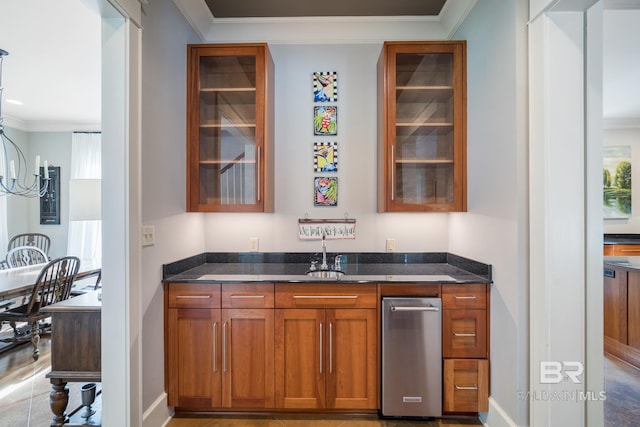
[148, 235]
[391, 245]
[254, 243]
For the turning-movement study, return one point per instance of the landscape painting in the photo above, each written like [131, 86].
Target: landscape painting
[617, 182]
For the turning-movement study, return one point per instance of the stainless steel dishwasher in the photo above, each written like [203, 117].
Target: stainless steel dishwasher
[411, 357]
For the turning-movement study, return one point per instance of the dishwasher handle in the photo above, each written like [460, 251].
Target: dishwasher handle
[418, 308]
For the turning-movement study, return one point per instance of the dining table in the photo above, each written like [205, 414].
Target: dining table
[18, 282]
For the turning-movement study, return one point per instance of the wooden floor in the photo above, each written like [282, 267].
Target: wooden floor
[315, 421]
[24, 399]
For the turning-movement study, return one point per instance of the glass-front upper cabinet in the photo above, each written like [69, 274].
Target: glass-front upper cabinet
[422, 127]
[229, 128]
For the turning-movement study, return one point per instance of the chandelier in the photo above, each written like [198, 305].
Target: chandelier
[14, 174]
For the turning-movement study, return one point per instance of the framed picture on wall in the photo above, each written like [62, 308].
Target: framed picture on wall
[325, 191]
[325, 86]
[325, 120]
[616, 182]
[325, 157]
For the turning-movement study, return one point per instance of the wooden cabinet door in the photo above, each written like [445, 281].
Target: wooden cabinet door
[422, 126]
[193, 358]
[229, 128]
[300, 356]
[615, 305]
[351, 353]
[248, 358]
[464, 333]
[633, 307]
[466, 385]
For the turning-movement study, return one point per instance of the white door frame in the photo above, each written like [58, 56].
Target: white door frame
[121, 133]
[565, 213]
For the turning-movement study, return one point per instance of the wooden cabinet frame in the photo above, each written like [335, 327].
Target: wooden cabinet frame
[326, 351]
[230, 109]
[429, 112]
[304, 347]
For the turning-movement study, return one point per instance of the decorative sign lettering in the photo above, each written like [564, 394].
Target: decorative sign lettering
[332, 229]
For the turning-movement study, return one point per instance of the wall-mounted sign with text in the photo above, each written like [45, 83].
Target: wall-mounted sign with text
[333, 229]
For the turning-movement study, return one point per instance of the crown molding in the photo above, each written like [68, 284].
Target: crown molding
[51, 126]
[324, 30]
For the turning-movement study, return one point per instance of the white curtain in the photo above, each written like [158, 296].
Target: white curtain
[4, 233]
[85, 237]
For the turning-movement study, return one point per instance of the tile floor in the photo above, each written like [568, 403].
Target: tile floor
[24, 400]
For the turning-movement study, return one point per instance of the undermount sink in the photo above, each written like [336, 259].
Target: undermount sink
[325, 274]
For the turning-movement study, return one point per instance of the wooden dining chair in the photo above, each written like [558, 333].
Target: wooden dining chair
[38, 240]
[52, 285]
[21, 256]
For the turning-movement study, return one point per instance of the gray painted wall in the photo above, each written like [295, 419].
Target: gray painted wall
[24, 213]
[494, 230]
[491, 231]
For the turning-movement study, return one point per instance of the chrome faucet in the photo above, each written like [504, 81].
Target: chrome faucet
[337, 266]
[324, 265]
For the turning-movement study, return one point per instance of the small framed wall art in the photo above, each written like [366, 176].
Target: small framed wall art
[325, 157]
[325, 86]
[325, 191]
[325, 120]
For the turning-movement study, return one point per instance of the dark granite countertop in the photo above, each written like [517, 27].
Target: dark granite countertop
[632, 262]
[622, 239]
[359, 268]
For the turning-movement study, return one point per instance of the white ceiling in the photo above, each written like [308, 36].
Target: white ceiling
[53, 66]
[621, 68]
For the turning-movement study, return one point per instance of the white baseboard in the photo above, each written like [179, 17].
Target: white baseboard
[496, 417]
[158, 414]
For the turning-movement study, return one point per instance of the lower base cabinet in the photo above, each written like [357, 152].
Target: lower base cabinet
[621, 301]
[326, 358]
[466, 385]
[306, 347]
[220, 358]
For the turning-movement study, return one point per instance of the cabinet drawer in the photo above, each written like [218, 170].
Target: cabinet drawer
[464, 296]
[464, 333]
[194, 295]
[466, 385]
[320, 295]
[621, 250]
[247, 295]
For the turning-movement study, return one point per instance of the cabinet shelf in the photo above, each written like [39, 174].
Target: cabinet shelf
[425, 125]
[227, 126]
[227, 89]
[227, 162]
[425, 161]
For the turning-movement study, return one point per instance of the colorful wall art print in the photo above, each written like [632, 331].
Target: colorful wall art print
[325, 121]
[325, 157]
[325, 86]
[325, 191]
[617, 182]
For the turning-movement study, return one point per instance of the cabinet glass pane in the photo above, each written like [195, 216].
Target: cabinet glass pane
[227, 152]
[424, 128]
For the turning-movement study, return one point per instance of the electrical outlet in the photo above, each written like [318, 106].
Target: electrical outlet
[254, 244]
[148, 235]
[391, 245]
